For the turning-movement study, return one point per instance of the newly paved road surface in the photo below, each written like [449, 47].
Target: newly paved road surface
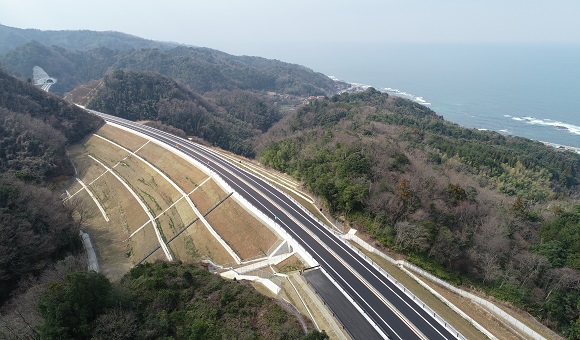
[356, 325]
[385, 307]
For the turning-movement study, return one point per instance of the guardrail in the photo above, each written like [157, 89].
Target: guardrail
[490, 306]
[300, 249]
[401, 287]
[330, 308]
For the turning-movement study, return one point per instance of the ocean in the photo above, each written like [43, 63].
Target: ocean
[524, 90]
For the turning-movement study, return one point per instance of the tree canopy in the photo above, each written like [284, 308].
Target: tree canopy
[164, 300]
[471, 206]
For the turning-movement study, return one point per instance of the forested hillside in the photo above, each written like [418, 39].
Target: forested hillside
[161, 301]
[35, 127]
[42, 293]
[202, 69]
[228, 119]
[36, 229]
[473, 206]
[478, 208]
[12, 37]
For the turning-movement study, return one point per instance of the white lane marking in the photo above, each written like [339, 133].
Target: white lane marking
[342, 246]
[355, 304]
[246, 174]
[183, 195]
[313, 251]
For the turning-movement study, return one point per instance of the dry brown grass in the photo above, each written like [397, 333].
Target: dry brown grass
[119, 204]
[169, 223]
[519, 314]
[85, 166]
[115, 250]
[258, 168]
[144, 242]
[113, 260]
[206, 196]
[154, 190]
[183, 173]
[122, 137]
[74, 186]
[104, 151]
[185, 212]
[125, 215]
[306, 204]
[204, 244]
[291, 264]
[478, 313]
[247, 236]
[317, 308]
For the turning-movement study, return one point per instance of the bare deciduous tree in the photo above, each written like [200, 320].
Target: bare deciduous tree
[409, 235]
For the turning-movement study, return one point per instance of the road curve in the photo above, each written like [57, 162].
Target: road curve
[392, 312]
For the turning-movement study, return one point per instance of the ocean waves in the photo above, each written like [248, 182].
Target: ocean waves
[407, 95]
[571, 128]
[356, 87]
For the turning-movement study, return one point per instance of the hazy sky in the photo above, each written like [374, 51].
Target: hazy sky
[229, 25]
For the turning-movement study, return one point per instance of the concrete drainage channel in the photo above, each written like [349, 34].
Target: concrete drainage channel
[92, 262]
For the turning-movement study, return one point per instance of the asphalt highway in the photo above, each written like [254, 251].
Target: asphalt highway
[384, 305]
[352, 320]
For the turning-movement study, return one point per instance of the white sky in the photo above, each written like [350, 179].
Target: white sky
[229, 24]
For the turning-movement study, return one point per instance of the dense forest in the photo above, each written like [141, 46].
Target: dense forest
[475, 207]
[162, 301]
[12, 37]
[480, 209]
[228, 119]
[36, 229]
[35, 127]
[71, 58]
[45, 291]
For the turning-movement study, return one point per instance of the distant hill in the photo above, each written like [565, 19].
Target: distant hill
[35, 128]
[77, 57]
[12, 37]
[228, 119]
[70, 67]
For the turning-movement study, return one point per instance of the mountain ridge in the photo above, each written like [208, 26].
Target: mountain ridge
[203, 69]
[12, 37]
[477, 208]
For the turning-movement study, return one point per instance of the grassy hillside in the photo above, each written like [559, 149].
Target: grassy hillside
[478, 208]
[473, 206]
[37, 230]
